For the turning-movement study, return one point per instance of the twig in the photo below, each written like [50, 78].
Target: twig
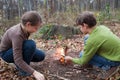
[62, 78]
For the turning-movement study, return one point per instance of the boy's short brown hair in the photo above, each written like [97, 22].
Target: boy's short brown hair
[87, 18]
[31, 16]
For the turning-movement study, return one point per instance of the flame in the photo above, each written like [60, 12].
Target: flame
[60, 54]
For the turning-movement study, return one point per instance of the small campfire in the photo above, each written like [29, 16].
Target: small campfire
[62, 59]
[60, 54]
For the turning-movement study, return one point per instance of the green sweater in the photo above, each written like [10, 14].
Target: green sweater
[103, 42]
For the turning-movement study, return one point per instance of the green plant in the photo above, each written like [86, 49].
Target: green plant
[103, 15]
[60, 37]
[45, 28]
[46, 31]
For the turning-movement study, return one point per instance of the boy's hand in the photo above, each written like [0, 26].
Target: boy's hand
[38, 76]
[68, 59]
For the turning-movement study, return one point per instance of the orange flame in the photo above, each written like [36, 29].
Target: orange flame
[62, 59]
[60, 54]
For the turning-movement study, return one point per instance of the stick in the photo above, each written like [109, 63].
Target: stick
[59, 77]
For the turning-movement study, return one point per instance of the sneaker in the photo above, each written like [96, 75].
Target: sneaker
[107, 74]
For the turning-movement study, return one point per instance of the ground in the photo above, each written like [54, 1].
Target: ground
[53, 69]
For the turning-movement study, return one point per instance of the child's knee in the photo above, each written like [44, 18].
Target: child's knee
[29, 44]
[42, 55]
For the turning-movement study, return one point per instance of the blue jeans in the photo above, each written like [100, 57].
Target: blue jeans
[30, 53]
[100, 61]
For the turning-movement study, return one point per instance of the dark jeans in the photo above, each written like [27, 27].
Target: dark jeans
[98, 60]
[30, 53]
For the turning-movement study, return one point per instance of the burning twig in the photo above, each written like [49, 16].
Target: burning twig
[61, 53]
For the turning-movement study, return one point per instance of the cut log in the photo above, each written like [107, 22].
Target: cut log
[61, 32]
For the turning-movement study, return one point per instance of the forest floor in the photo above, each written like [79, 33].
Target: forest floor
[53, 69]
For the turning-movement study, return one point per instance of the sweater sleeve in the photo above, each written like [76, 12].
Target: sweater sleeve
[89, 52]
[17, 43]
[90, 49]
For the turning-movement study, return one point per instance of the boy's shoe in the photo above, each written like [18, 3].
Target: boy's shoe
[107, 74]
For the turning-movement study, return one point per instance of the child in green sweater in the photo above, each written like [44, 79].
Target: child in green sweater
[102, 47]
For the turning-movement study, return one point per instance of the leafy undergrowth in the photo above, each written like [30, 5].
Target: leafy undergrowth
[53, 69]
